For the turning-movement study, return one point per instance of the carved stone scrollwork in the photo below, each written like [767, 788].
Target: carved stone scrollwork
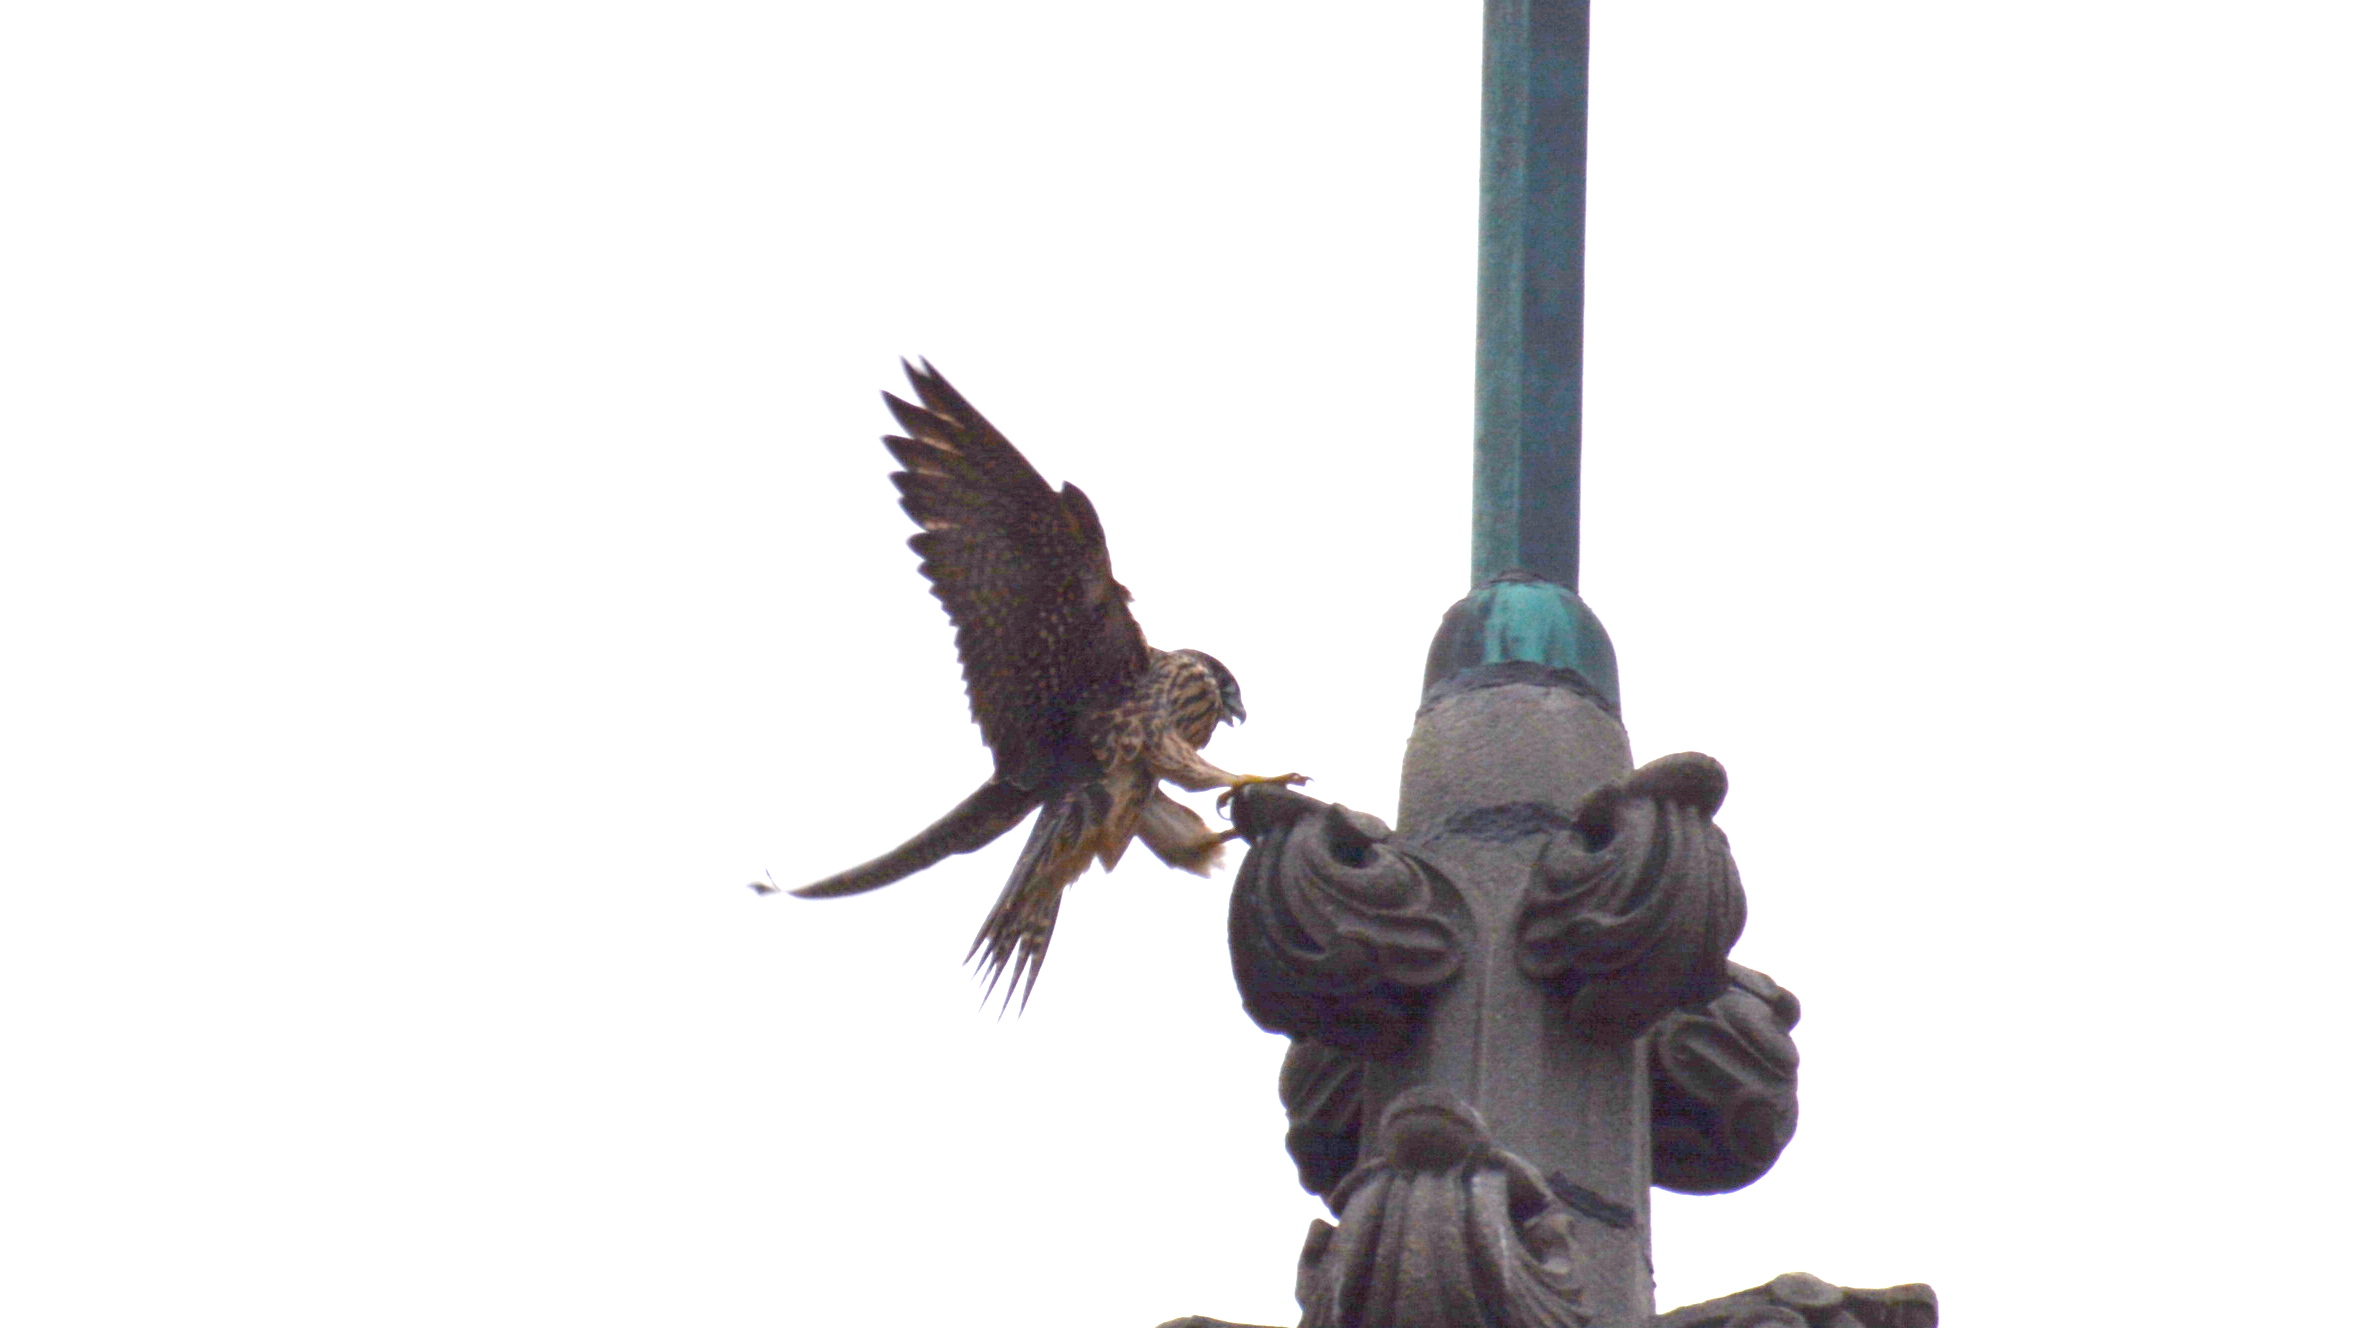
[1323, 1094]
[1441, 1229]
[1338, 934]
[1723, 1087]
[1801, 1300]
[1632, 911]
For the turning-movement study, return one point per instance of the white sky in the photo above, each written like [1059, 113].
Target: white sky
[448, 555]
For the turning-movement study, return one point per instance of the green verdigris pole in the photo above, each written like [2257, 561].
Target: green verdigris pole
[1531, 290]
[1530, 413]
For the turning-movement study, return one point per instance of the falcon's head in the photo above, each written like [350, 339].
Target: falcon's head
[1229, 692]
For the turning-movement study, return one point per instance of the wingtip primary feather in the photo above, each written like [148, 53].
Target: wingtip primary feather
[941, 397]
[917, 420]
[919, 374]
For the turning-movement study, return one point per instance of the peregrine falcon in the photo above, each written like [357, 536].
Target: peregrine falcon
[1084, 719]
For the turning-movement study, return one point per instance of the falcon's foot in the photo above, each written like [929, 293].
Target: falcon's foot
[1244, 781]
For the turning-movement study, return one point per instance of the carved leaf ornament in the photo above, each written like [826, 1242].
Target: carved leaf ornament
[1633, 909]
[1337, 934]
[1723, 1087]
[1323, 1097]
[1441, 1229]
[1801, 1300]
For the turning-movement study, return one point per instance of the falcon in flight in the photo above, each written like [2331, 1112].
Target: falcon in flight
[1083, 718]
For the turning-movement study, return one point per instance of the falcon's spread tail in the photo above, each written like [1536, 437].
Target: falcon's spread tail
[992, 810]
[1067, 837]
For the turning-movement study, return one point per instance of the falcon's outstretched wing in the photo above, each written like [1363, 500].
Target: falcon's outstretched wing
[1041, 626]
[993, 809]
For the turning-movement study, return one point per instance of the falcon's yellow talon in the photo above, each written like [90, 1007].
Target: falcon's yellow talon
[1244, 781]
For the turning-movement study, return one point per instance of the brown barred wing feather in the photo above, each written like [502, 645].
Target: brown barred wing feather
[1041, 625]
[993, 809]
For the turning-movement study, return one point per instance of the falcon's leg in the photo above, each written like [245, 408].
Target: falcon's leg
[1178, 836]
[1184, 767]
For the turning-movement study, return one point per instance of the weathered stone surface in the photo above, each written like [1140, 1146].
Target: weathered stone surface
[1723, 1087]
[1506, 745]
[1635, 905]
[1492, 775]
[1338, 934]
[1801, 1300]
[1442, 1229]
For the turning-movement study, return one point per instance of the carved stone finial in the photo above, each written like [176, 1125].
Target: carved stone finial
[1633, 909]
[1723, 1087]
[1529, 991]
[1441, 1229]
[1337, 934]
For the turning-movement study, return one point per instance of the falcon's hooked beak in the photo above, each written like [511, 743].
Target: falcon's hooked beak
[1229, 692]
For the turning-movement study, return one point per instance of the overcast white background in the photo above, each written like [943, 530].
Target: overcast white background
[447, 555]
